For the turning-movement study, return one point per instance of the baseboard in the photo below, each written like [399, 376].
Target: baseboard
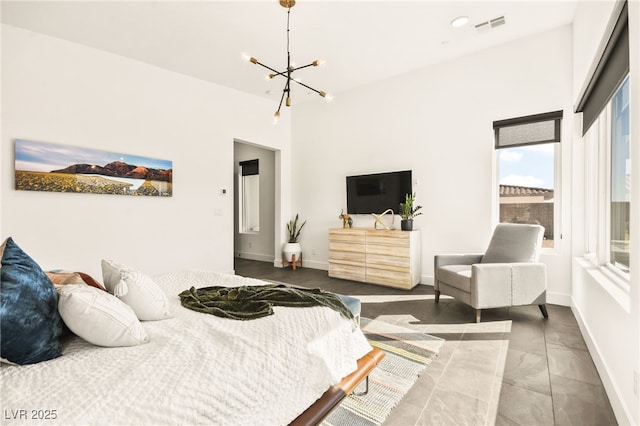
[314, 264]
[620, 409]
[254, 256]
[426, 280]
[324, 266]
[559, 299]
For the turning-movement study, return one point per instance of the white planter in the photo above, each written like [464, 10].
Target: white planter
[289, 249]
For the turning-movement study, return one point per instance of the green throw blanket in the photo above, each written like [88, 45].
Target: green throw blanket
[251, 302]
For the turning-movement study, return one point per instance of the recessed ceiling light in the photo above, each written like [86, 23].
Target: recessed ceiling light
[460, 21]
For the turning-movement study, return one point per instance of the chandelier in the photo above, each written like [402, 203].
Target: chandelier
[288, 72]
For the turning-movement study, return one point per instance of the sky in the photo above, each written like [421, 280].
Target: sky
[45, 157]
[531, 166]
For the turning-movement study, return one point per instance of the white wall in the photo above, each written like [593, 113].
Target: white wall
[61, 92]
[257, 245]
[437, 122]
[589, 24]
[609, 313]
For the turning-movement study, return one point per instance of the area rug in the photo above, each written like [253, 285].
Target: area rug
[407, 354]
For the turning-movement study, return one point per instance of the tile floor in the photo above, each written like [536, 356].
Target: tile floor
[537, 372]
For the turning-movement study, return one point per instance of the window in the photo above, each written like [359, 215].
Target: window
[528, 154]
[604, 102]
[620, 187]
[608, 185]
[249, 198]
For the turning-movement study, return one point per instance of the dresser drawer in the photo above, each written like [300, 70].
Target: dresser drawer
[346, 272]
[389, 278]
[347, 257]
[381, 261]
[347, 234]
[390, 251]
[388, 238]
[346, 247]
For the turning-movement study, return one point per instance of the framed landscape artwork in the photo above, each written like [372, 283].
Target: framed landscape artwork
[60, 168]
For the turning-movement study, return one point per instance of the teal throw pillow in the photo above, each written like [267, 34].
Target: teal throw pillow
[29, 320]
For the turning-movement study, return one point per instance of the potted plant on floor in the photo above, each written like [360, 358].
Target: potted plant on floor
[292, 247]
[408, 211]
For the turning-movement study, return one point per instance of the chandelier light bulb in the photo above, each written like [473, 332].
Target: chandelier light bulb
[248, 58]
[319, 62]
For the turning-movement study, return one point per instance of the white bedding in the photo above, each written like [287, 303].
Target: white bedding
[196, 369]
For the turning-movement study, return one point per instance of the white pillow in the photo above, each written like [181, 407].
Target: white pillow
[98, 317]
[137, 290]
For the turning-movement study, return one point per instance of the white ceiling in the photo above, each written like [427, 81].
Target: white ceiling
[362, 41]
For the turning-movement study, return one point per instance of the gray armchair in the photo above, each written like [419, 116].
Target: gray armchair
[507, 274]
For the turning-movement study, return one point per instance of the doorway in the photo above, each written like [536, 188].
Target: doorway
[254, 200]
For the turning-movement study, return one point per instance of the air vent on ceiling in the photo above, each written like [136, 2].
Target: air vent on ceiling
[497, 21]
[491, 24]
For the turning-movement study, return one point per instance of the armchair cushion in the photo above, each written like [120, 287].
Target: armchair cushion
[514, 243]
[458, 276]
[456, 259]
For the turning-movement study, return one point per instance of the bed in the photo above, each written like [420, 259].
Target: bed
[194, 368]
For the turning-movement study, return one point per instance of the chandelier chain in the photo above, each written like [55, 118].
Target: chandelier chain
[288, 15]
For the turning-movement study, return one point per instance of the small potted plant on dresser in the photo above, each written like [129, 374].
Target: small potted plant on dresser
[292, 250]
[408, 211]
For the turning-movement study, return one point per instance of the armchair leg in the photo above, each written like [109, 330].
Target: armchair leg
[543, 309]
[478, 311]
[437, 296]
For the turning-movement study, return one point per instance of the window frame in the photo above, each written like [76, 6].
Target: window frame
[557, 195]
[597, 220]
[247, 170]
[556, 118]
[609, 195]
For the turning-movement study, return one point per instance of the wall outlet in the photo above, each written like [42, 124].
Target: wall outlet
[636, 383]
[250, 244]
[313, 252]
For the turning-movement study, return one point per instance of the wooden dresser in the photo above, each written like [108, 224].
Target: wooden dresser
[390, 258]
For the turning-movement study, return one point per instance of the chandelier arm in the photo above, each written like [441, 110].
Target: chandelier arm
[282, 98]
[275, 74]
[304, 66]
[269, 68]
[319, 92]
[287, 90]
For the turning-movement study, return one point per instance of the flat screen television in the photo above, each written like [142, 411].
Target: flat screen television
[378, 192]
